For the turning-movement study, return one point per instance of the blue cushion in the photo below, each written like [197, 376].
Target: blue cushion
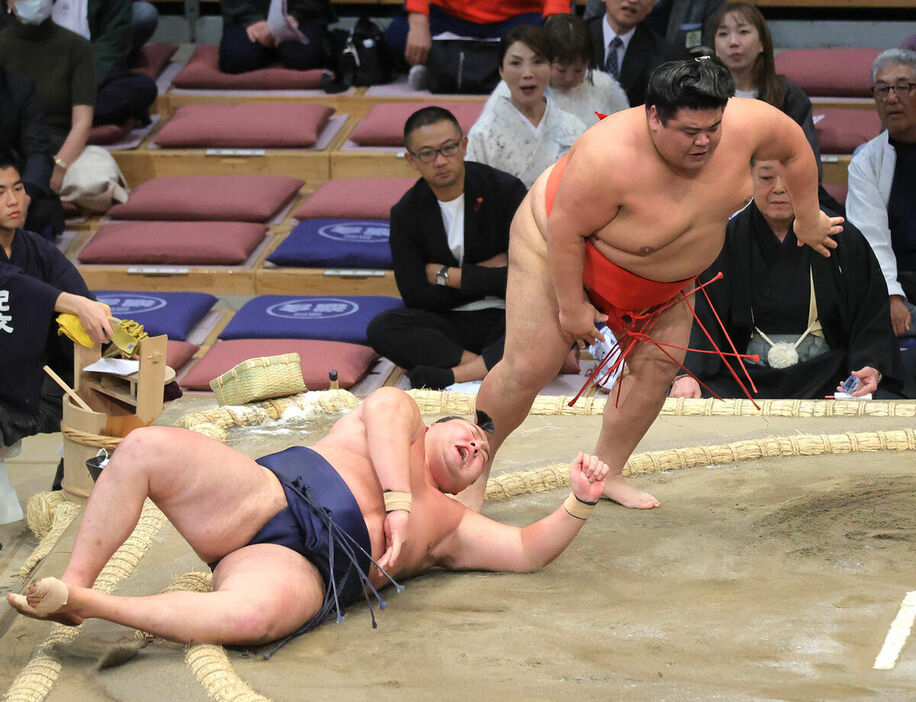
[172, 313]
[335, 243]
[307, 317]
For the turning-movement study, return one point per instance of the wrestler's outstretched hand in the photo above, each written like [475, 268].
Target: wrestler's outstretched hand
[395, 537]
[818, 237]
[580, 324]
[586, 477]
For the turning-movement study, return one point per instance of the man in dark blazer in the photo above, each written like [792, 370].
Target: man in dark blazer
[683, 23]
[23, 131]
[449, 246]
[626, 49]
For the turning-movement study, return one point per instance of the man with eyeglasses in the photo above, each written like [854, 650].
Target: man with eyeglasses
[449, 246]
[882, 181]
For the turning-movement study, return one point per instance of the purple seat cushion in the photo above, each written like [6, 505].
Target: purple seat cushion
[356, 198]
[252, 125]
[202, 73]
[829, 72]
[188, 243]
[384, 125]
[232, 198]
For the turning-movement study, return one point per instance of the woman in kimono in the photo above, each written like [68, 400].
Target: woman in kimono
[524, 132]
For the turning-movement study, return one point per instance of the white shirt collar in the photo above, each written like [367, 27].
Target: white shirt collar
[609, 35]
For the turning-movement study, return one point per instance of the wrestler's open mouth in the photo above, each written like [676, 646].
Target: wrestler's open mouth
[463, 453]
[527, 89]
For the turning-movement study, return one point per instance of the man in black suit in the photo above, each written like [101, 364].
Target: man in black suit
[626, 49]
[449, 246]
[683, 23]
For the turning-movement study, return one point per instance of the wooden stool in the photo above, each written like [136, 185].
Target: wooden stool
[118, 405]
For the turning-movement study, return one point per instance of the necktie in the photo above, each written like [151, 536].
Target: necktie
[611, 65]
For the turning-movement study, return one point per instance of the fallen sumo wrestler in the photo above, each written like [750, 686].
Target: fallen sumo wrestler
[299, 535]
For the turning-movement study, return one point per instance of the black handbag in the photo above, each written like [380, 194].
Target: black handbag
[359, 57]
[467, 66]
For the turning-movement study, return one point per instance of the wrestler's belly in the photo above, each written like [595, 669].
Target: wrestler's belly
[685, 256]
[641, 247]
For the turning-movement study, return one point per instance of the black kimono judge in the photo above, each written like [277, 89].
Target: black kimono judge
[765, 298]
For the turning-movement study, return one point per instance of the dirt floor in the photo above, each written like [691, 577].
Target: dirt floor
[763, 580]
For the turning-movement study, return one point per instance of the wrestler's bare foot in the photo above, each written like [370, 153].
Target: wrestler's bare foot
[620, 491]
[46, 599]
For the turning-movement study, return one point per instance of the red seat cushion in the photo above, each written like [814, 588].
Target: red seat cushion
[178, 353]
[214, 198]
[106, 134]
[351, 361]
[356, 198]
[384, 125]
[829, 72]
[153, 58]
[837, 192]
[189, 243]
[202, 73]
[253, 125]
[841, 131]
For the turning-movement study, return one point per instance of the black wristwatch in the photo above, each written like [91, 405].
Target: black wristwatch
[442, 276]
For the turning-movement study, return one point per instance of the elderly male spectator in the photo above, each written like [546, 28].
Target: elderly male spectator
[449, 244]
[36, 282]
[813, 321]
[626, 48]
[23, 130]
[253, 37]
[882, 181]
[681, 22]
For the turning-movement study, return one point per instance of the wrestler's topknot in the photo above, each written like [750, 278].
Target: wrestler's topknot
[699, 83]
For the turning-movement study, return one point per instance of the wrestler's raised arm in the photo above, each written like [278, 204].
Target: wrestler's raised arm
[778, 137]
[393, 424]
[479, 543]
[581, 207]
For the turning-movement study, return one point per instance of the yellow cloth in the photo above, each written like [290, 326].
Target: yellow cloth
[70, 325]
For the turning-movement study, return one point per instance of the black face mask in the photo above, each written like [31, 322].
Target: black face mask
[484, 422]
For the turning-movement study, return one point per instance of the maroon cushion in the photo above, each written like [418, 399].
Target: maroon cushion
[214, 198]
[189, 243]
[837, 192]
[153, 58]
[351, 361]
[254, 125]
[178, 353]
[356, 198]
[107, 134]
[202, 73]
[384, 125]
[829, 72]
[841, 131]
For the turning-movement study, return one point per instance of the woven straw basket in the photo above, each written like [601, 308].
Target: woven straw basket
[259, 379]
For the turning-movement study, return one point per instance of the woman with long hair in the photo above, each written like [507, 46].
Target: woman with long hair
[523, 131]
[742, 41]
